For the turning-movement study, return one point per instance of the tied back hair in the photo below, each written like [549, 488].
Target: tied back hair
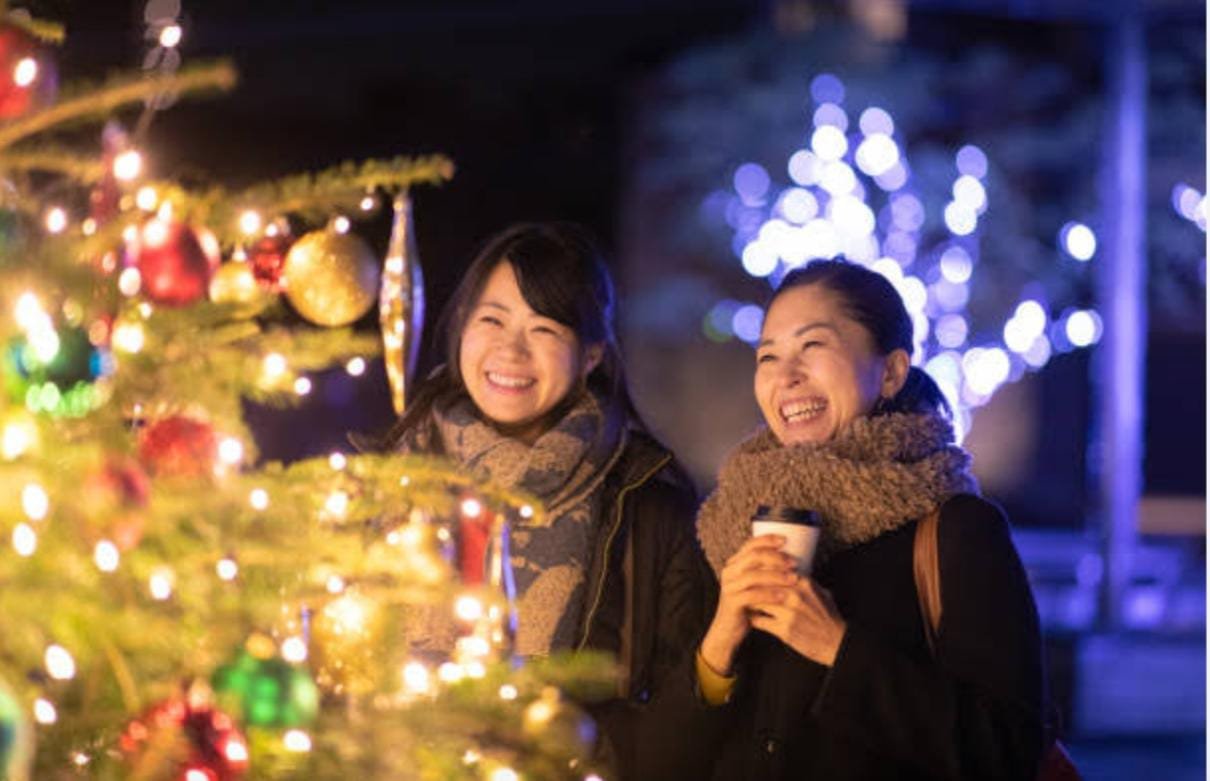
[872, 301]
[562, 275]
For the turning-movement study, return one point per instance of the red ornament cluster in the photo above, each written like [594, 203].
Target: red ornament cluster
[217, 751]
[178, 446]
[268, 256]
[174, 260]
[27, 75]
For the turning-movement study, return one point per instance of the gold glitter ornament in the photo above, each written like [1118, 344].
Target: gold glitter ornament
[233, 283]
[331, 278]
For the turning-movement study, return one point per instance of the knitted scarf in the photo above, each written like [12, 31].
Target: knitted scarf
[564, 468]
[876, 475]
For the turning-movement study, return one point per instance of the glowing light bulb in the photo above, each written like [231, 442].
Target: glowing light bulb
[59, 663]
[1079, 241]
[526, 511]
[230, 451]
[25, 539]
[25, 72]
[274, 366]
[471, 507]
[338, 461]
[829, 142]
[367, 203]
[337, 504]
[130, 281]
[450, 672]
[17, 438]
[297, 741]
[356, 367]
[341, 224]
[250, 223]
[508, 692]
[56, 220]
[236, 750]
[147, 198]
[227, 569]
[416, 678]
[128, 337]
[302, 386]
[259, 499]
[170, 36]
[294, 650]
[89, 226]
[106, 556]
[35, 501]
[127, 165]
[161, 583]
[468, 608]
[335, 584]
[44, 711]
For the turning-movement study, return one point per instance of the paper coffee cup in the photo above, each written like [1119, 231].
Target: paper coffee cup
[800, 528]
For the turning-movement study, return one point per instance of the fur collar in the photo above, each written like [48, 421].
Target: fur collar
[878, 474]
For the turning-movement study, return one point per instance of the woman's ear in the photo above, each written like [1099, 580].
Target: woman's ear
[593, 354]
[895, 373]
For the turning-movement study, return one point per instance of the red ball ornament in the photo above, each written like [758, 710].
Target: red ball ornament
[267, 257]
[212, 748]
[114, 496]
[178, 446]
[174, 260]
[27, 74]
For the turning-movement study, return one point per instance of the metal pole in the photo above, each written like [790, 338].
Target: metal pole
[1121, 288]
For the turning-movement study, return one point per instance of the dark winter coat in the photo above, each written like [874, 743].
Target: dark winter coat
[887, 709]
[650, 597]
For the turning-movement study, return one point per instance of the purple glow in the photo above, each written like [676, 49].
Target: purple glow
[971, 161]
[907, 212]
[1078, 240]
[759, 259]
[956, 264]
[804, 167]
[900, 246]
[875, 120]
[799, 205]
[837, 178]
[831, 115]
[951, 330]
[746, 323]
[893, 179]
[826, 88]
[960, 219]
[877, 154]
[751, 183]
[829, 142]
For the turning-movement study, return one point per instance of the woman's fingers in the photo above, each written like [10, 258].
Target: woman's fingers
[758, 578]
[756, 559]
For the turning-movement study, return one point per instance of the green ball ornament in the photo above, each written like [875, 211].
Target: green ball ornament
[267, 692]
[16, 738]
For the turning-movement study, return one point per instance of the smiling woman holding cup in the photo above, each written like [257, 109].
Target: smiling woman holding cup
[830, 668]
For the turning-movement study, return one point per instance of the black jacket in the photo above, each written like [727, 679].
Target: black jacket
[887, 709]
[650, 597]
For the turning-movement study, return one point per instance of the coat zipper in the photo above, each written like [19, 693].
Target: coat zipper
[617, 524]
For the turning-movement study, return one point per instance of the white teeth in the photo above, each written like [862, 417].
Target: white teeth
[509, 381]
[798, 410]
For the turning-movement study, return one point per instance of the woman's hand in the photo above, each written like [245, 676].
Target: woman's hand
[806, 619]
[758, 573]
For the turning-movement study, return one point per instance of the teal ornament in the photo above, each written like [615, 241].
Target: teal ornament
[16, 738]
[267, 692]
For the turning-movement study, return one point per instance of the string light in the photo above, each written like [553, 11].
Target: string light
[59, 663]
[335, 584]
[161, 583]
[508, 692]
[44, 711]
[274, 366]
[127, 165]
[25, 72]
[302, 386]
[56, 219]
[504, 774]
[297, 741]
[338, 461]
[106, 556]
[89, 226]
[356, 367]
[128, 337]
[226, 568]
[231, 451]
[25, 540]
[337, 504]
[19, 435]
[294, 650]
[416, 678]
[130, 282]
[250, 223]
[35, 501]
[259, 499]
[468, 608]
[471, 508]
[449, 672]
[170, 36]
[341, 224]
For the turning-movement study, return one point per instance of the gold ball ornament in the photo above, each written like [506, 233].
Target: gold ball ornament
[233, 283]
[331, 278]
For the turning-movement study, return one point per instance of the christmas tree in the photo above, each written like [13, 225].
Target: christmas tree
[173, 608]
